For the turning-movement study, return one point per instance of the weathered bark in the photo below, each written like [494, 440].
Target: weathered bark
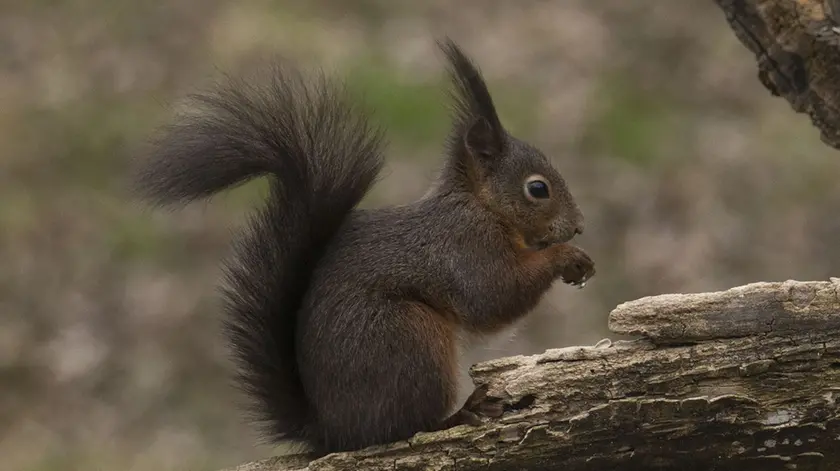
[781, 308]
[797, 47]
[745, 379]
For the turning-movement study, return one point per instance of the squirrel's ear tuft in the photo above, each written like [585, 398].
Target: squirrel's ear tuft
[474, 113]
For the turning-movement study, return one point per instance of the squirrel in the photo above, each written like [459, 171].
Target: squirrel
[344, 321]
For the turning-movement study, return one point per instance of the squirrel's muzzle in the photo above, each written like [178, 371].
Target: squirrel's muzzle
[566, 230]
[561, 231]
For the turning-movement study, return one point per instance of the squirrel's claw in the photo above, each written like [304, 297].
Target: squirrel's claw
[577, 284]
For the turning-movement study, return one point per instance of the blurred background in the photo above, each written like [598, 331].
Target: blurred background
[692, 177]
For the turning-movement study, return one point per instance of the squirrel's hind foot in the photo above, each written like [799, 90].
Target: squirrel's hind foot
[476, 406]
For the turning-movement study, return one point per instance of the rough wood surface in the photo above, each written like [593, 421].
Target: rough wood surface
[797, 48]
[754, 309]
[760, 394]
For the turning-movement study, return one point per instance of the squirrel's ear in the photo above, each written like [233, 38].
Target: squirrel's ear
[482, 140]
[476, 123]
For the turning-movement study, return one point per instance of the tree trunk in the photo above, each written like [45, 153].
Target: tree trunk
[797, 47]
[744, 379]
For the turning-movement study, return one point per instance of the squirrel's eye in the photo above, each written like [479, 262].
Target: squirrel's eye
[536, 188]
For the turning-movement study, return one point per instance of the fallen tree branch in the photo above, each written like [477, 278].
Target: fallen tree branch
[797, 48]
[745, 379]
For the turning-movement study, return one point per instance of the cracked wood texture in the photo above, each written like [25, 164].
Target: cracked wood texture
[797, 48]
[744, 379]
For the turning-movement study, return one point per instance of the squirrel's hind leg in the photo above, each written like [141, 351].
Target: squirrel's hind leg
[383, 377]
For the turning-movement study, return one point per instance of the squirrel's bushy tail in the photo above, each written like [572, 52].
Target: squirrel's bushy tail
[321, 156]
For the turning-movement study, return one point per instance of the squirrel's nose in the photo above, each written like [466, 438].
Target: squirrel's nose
[578, 221]
[579, 227]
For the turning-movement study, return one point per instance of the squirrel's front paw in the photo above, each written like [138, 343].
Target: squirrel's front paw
[578, 268]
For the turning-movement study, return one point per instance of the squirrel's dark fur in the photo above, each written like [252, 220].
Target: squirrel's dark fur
[343, 321]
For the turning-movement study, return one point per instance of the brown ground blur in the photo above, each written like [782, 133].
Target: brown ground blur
[692, 177]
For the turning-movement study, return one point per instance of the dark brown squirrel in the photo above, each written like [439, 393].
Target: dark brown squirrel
[343, 321]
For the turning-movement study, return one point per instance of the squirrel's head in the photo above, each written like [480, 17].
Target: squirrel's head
[512, 178]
